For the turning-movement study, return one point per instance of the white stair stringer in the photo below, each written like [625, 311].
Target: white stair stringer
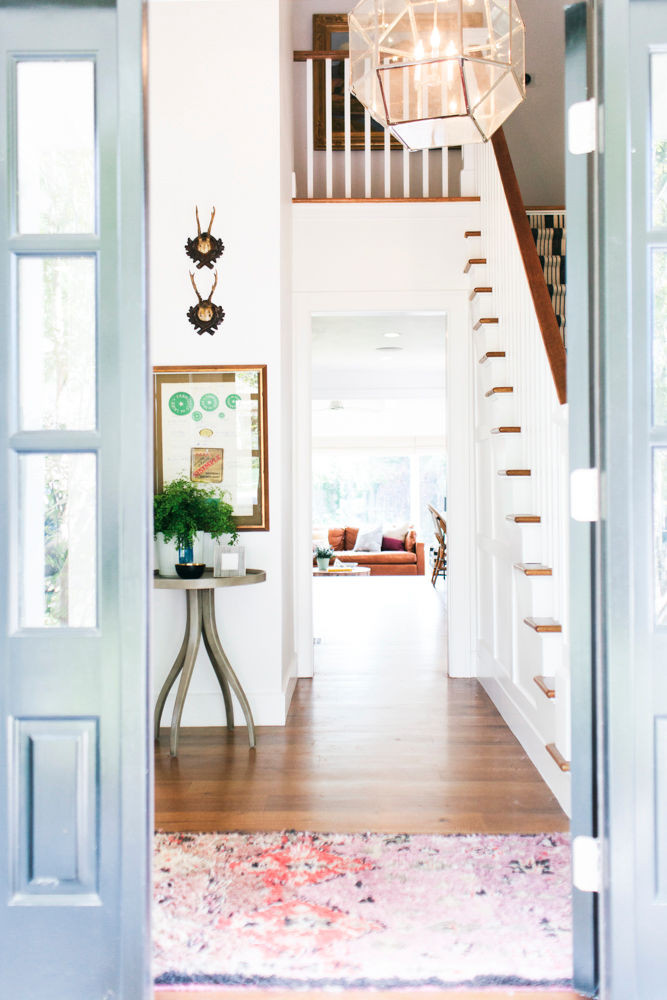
[509, 653]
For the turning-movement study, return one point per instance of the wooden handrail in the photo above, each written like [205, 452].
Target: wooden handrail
[546, 317]
[301, 55]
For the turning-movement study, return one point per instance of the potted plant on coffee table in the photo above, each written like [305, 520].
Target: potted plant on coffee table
[323, 554]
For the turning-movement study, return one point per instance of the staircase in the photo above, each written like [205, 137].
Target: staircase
[548, 231]
[521, 471]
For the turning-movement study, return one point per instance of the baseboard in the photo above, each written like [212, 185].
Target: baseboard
[290, 686]
[531, 741]
[206, 708]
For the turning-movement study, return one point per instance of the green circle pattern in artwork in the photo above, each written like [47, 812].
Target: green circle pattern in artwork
[209, 402]
[232, 400]
[222, 416]
[197, 415]
[181, 403]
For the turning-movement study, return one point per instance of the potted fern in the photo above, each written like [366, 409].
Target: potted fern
[182, 513]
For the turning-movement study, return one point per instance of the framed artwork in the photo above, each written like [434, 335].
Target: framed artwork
[331, 34]
[210, 427]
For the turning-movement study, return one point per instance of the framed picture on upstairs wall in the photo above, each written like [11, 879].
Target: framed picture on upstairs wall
[210, 427]
[331, 34]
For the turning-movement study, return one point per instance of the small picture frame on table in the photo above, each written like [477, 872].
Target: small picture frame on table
[228, 560]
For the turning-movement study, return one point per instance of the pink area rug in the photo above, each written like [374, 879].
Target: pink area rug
[305, 910]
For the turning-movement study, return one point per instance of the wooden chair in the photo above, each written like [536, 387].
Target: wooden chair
[440, 531]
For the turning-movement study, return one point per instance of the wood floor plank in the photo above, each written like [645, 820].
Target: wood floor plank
[380, 739]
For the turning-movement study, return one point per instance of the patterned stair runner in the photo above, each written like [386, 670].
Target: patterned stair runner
[549, 235]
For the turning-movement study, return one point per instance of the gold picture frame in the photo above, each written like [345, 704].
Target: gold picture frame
[210, 427]
[331, 34]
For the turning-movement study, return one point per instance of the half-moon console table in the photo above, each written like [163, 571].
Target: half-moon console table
[200, 624]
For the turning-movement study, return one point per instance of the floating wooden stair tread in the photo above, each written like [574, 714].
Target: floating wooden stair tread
[546, 685]
[472, 262]
[513, 472]
[472, 232]
[481, 290]
[485, 321]
[498, 390]
[544, 624]
[554, 752]
[533, 569]
[524, 518]
[489, 355]
[505, 430]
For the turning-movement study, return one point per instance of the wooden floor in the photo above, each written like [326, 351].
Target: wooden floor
[380, 739]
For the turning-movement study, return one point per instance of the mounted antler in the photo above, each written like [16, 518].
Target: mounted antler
[192, 279]
[203, 248]
[215, 275]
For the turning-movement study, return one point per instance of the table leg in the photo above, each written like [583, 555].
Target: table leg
[193, 631]
[171, 676]
[220, 661]
[219, 672]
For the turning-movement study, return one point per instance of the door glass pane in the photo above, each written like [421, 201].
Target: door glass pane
[659, 136]
[660, 533]
[58, 541]
[659, 320]
[56, 310]
[56, 146]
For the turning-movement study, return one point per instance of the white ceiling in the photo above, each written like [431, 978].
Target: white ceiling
[348, 343]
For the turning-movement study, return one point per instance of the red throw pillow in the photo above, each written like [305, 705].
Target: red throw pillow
[392, 545]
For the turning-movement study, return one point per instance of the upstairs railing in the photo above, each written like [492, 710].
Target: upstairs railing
[340, 153]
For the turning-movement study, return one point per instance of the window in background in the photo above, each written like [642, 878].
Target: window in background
[361, 488]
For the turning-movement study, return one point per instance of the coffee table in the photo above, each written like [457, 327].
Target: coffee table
[358, 571]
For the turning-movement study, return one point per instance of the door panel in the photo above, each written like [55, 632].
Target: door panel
[73, 510]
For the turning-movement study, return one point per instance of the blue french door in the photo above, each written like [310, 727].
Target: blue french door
[74, 488]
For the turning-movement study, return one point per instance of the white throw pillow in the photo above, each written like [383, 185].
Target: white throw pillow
[369, 540]
[398, 531]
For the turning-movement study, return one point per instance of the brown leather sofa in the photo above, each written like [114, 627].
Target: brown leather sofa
[408, 562]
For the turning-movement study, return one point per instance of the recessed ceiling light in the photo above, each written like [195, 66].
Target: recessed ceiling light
[388, 348]
[392, 334]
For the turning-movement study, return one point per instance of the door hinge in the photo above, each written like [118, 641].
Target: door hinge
[582, 127]
[587, 864]
[585, 494]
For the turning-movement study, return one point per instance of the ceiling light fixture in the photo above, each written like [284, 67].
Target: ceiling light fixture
[392, 334]
[438, 72]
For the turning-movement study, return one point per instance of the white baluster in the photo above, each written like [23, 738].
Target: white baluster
[367, 155]
[347, 154]
[328, 153]
[309, 128]
[387, 141]
[406, 155]
[444, 152]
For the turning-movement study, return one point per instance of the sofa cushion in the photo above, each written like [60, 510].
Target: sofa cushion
[378, 558]
[350, 538]
[369, 539]
[411, 541]
[392, 544]
[337, 539]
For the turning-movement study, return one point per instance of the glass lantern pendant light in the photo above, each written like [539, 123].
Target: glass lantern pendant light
[438, 72]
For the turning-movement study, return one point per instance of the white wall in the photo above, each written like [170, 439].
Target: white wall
[395, 257]
[217, 97]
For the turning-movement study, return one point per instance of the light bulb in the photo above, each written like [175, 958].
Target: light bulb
[419, 50]
[435, 42]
